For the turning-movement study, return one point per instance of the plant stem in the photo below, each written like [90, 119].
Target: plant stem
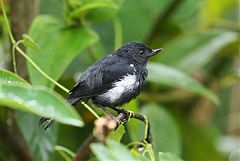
[7, 23]
[90, 109]
[118, 32]
[40, 70]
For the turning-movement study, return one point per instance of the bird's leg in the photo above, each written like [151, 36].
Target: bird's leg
[147, 138]
[109, 113]
[125, 115]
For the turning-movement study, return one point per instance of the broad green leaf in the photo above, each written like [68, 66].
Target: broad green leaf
[167, 75]
[211, 13]
[9, 77]
[95, 10]
[118, 134]
[168, 157]
[193, 51]
[102, 152]
[114, 151]
[119, 151]
[28, 124]
[141, 14]
[39, 101]
[65, 153]
[58, 47]
[165, 133]
[199, 141]
[40, 142]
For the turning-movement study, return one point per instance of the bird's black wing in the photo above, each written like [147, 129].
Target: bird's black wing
[99, 78]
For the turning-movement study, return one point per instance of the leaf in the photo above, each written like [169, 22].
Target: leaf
[118, 134]
[168, 157]
[113, 152]
[102, 152]
[193, 51]
[166, 75]
[165, 134]
[199, 141]
[28, 123]
[29, 42]
[93, 10]
[40, 142]
[120, 151]
[39, 101]
[59, 45]
[65, 153]
[211, 12]
[9, 77]
[141, 14]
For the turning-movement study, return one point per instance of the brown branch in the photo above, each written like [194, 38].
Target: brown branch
[14, 144]
[103, 127]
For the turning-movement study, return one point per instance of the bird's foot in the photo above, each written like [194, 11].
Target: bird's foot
[123, 117]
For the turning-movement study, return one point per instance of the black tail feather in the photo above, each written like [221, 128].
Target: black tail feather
[47, 122]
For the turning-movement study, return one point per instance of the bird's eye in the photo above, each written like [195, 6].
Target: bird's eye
[141, 52]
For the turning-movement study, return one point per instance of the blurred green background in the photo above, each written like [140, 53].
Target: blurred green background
[191, 97]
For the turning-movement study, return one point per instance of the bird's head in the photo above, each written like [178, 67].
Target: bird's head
[137, 51]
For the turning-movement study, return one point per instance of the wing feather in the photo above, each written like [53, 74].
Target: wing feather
[99, 78]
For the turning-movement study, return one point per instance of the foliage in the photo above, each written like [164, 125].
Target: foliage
[200, 41]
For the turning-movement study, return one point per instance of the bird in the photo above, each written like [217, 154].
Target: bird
[112, 81]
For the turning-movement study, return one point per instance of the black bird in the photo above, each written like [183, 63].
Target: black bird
[114, 80]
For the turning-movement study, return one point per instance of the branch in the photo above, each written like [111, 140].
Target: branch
[103, 127]
[14, 144]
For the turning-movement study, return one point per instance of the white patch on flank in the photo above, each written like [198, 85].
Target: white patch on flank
[127, 83]
[131, 65]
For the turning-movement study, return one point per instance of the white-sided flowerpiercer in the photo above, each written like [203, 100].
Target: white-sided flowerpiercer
[114, 80]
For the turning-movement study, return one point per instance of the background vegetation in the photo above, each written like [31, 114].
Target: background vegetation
[191, 96]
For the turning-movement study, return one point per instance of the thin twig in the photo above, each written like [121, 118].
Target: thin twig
[147, 133]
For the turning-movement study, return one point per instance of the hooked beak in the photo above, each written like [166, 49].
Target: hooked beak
[155, 51]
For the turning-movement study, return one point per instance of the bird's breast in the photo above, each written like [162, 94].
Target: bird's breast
[125, 87]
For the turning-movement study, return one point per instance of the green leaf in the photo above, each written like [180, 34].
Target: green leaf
[27, 123]
[142, 14]
[113, 152]
[165, 134]
[193, 51]
[199, 141]
[94, 10]
[118, 134]
[102, 152]
[168, 157]
[9, 77]
[167, 75]
[30, 43]
[39, 101]
[40, 142]
[59, 45]
[65, 153]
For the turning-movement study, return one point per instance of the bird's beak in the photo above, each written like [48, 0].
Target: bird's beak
[155, 51]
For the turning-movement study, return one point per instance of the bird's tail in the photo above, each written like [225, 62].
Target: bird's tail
[46, 122]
